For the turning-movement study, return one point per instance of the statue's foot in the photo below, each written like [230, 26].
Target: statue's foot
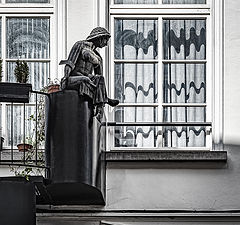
[112, 102]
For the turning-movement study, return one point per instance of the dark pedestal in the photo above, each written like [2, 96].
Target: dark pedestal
[71, 148]
[17, 205]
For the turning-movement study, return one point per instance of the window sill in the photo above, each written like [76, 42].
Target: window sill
[163, 155]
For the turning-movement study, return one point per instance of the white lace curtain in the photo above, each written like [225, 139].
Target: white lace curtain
[182, 83]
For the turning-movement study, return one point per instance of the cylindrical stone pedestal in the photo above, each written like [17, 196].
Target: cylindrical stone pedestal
[69, 149]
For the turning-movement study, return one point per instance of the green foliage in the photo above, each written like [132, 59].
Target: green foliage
[21, 72]
[1, 70]
[37, 141]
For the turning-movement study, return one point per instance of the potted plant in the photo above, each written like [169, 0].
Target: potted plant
[17, 92]
[53, 86]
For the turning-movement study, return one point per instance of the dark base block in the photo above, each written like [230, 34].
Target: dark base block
[17, 204]
[74, 194]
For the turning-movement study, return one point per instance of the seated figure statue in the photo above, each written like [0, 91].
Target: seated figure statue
[84, 69]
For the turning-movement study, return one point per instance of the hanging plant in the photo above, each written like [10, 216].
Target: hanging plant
[21, 72]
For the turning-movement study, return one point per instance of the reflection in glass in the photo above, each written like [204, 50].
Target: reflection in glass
[135, 39]
[135, 1]
[184, 1]
[39, 73]
[136, 83]
[184, 83]
[184, 39]
[28, 38]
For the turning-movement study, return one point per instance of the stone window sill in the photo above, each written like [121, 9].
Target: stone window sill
[165, 155]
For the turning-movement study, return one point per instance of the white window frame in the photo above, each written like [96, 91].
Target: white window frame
[213, 11]
[56, 12]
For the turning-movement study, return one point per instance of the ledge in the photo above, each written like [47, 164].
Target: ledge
[163, 155]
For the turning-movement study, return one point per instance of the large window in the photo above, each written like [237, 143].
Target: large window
[160, 61]
[25, 35]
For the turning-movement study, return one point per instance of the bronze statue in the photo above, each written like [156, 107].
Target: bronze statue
[82, 61]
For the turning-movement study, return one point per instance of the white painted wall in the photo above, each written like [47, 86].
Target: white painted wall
[232, 72]
[81, 19]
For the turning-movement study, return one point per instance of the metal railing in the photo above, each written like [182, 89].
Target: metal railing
[161, 138]
[25, 122]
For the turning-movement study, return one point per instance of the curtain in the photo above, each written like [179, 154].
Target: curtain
[27, 38]
[135, 1]
[185, 82]
[27, 1]
[184, 1]
[135, 82]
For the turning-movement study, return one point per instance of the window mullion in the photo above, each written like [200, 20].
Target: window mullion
[160, 79]
[4, 73]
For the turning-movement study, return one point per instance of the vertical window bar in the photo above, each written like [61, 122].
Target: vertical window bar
[24, 156]
[12, 132]
[36, 133]
[185, 81]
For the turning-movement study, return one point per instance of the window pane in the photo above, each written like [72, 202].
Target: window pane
[136, 83]
[135, 39]
[184, 39]
[136, 136]
[184, 1]
[28, 38]
[18, 120]
[184, 83]
[39, 73]
[27, 1]
[135, 1]
[184, 136]
[135, 114]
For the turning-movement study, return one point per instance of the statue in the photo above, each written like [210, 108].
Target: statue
[82, 61]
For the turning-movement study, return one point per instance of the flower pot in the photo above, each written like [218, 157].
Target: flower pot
[53, 88]
[14, 92]
[23, 147]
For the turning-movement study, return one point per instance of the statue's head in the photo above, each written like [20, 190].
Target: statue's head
[99, 36]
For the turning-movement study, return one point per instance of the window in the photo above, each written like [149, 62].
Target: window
[25, 35]
[161, 54]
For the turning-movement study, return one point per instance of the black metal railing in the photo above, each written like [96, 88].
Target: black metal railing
[25, 123]
[168, 136]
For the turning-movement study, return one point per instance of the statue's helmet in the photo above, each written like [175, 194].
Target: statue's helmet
[98, 32]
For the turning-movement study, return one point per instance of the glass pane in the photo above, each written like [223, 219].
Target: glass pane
[135, 114]
[27, 1]
[184, 114]
[39, 73]
[18, 120]
[184, 39]
[132, 136]
[136, 82]
[184, 136]
[184, 83]
[28, 38]
[135, 1]
[135, 39]
[184, 1]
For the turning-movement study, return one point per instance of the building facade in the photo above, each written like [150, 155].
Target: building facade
[173, 64]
